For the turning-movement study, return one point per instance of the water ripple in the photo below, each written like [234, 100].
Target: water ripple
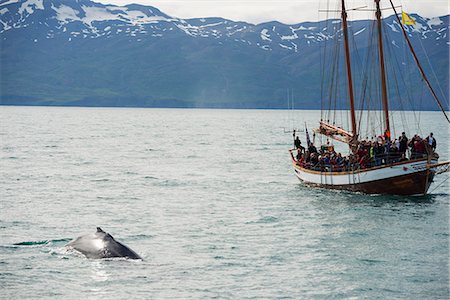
[213, 217]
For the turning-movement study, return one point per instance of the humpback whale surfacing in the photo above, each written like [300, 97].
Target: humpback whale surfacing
[101, 245]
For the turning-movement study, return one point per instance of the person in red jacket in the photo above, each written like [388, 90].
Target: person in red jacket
[361, 154]
[419, 147]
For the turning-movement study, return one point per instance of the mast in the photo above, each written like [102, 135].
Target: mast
[349, 71]
[382, 69]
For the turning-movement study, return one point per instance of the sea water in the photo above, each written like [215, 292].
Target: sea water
[208, 198]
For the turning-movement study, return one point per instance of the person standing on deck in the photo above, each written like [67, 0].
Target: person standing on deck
[293, 136]
[312, 148]
[298, 143]
[431, 141]
[387, 135]
[403, 145]
[419, 147]
[378, 153]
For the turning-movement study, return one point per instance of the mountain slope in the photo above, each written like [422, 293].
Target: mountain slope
[67, 52]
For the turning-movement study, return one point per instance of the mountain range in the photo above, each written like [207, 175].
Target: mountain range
[79, 52]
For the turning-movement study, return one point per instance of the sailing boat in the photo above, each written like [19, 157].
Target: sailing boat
[362, 171]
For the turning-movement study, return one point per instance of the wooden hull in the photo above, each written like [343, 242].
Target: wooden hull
[405, 178]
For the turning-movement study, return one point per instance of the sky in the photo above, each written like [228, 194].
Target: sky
[285, 11]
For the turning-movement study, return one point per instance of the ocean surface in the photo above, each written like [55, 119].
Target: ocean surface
[208, 198]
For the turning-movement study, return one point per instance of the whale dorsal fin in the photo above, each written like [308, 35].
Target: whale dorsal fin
[99, 229]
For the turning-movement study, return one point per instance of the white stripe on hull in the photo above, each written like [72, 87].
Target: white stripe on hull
[358, 177]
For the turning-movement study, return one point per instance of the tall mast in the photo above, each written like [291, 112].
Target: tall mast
[382, 68]
[349, 71]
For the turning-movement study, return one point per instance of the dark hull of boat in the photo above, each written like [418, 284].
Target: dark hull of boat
[416, 184]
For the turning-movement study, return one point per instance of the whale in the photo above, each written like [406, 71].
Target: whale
[101, 244]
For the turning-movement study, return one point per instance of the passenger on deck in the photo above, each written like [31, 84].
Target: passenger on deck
[393, 155]
[396, 143]
[411, 144]
[312, 149]
[387, 135]
[299, 155]
[307, 158]
[327, 162]
[387, 147]
[378, 153]
[419, 148]
[362, 156]
[403, 145]
[300, 159]
[431, 141]
[352, 162]
[339, 162]
[366, 154]
[314, 159]
[293, 136]
[371, 153]
[298, 145]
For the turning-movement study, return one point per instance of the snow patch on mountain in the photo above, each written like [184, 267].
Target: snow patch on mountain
[285, 47]
[65, 14]
[359, 31]
[435, 22]
[98, 20]
[29, 6]
[289, 37]
[96, 14]
[418, 27]
[212, 24]
[231, 29]
[5, 26]
[394, 27]
[137, 17]
[323, 37]
[265, 36]
[294, 35]
[189, 29]
[295, 46]
[9, 2]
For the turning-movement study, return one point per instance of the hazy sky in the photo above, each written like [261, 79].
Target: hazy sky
[286, 11]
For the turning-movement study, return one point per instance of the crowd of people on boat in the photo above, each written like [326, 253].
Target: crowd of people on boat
[365, 154]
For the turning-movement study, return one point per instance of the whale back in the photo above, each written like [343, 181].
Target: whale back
[101, 245]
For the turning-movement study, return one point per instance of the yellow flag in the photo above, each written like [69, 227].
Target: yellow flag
[407, 20]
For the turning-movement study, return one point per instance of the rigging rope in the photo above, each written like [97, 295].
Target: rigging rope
[440, 184]
[431, 66]
[418, 63]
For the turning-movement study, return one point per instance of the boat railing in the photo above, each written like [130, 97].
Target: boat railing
[365, 163]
